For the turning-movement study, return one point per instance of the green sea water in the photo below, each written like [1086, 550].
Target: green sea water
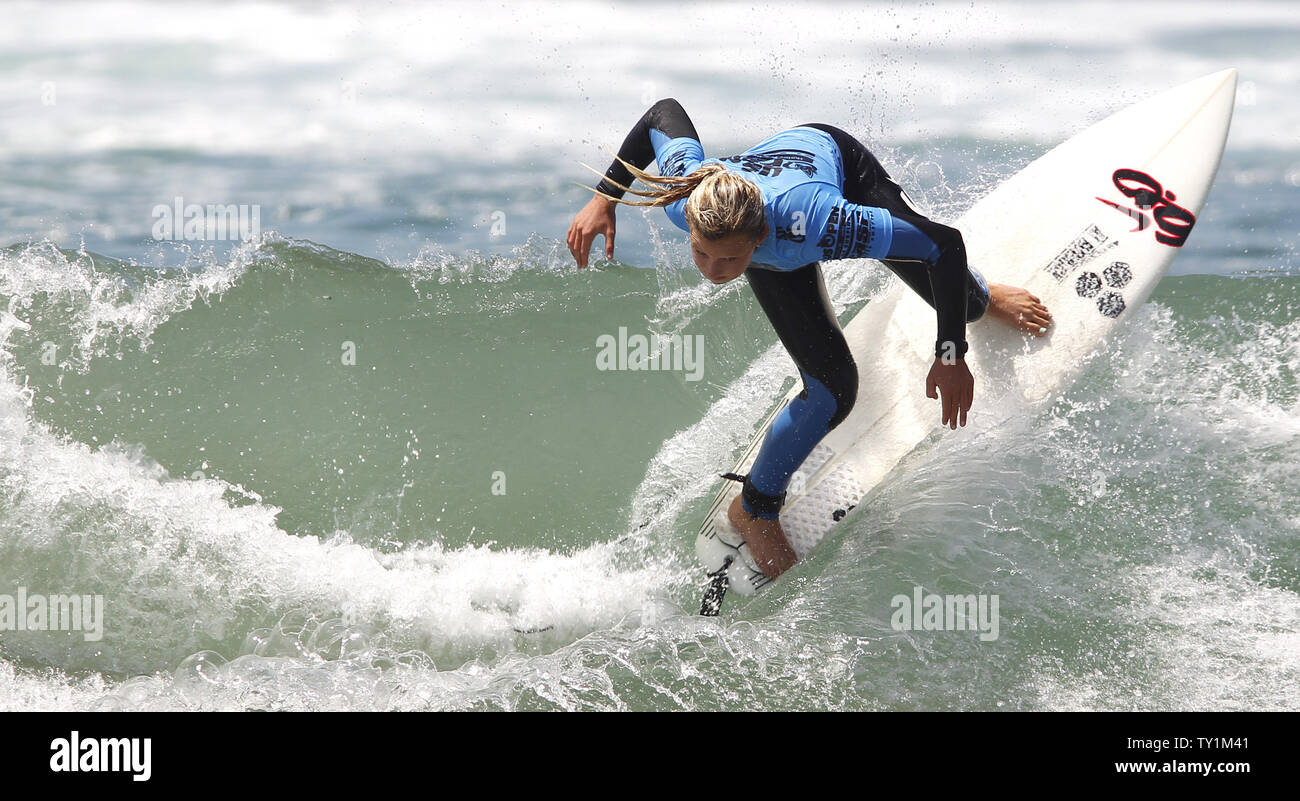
[467, 512]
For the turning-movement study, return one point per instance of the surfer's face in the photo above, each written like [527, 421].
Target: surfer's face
[723, 260]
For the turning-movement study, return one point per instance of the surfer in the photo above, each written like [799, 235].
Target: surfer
[805, 195]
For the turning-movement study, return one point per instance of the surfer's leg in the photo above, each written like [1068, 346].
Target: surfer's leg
[920, 244]
[800, 310]
[914, 252]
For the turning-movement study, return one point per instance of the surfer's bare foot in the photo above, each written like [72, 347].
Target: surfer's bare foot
[1019, 309]
[767, 543]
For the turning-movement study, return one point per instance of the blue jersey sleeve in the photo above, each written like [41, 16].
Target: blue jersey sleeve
[813, 222]
[676, 156]
[853, 231]
[679, 156]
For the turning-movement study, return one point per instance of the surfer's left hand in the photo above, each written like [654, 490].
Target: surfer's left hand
[957, 386]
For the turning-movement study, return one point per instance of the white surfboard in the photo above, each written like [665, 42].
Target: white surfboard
[1090, 228]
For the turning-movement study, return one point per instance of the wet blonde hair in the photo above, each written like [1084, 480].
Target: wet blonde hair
[719, 203]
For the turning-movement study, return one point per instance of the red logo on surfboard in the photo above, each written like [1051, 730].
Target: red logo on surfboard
[1173, 222]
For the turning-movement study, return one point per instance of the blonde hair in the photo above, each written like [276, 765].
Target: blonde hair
[719, 203]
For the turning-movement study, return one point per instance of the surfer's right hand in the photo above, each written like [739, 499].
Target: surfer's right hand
[597, 217]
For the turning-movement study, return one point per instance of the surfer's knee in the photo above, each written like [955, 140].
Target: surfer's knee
[842, 386]
[948, 239]
[978, 300]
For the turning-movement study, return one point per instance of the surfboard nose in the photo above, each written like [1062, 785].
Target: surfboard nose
[1216, 83]
[1211, 85]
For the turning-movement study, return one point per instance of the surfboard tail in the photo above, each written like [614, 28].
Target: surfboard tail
[723, 553]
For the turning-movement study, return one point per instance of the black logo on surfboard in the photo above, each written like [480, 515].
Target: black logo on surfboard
[1116, 276]
[1084, 248]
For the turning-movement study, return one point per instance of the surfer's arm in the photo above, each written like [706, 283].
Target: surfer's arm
[652, 137]
[943, 253]
[948, 285]
[855, 231]
[949, 380]
[663, 132]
